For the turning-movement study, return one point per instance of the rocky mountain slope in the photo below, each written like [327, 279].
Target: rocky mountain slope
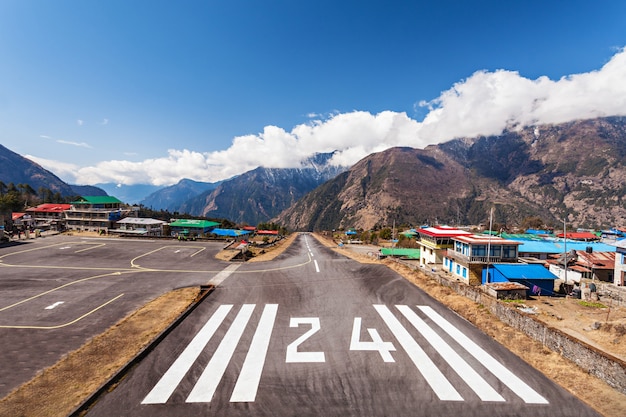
[16, 169]
[171, 198]
[259, 195]
[574, 170]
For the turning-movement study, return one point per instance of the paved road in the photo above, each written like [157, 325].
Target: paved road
[314, 333]
[58, 292]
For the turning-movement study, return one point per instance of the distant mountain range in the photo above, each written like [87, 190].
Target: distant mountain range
[575, 171]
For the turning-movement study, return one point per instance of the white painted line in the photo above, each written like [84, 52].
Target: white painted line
[317, 267]
[509, 379]
[484, 391]
[177, 251]
[204, 389]
[437, 381]
[225, 273]
[250, 375]
[168, 382]
[51, 306]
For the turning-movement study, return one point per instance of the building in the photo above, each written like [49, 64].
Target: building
[586, 264]
[544, 248]
[536, 278]
[470, 254]
[191, 227]
[49, 216]
[139, 226]
[94, 213]
[434, 241]
[619, 271]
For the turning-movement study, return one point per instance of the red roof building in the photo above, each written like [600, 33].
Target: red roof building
[581, 236]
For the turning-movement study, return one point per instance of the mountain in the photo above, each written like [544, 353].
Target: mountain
[171, 198]
[88, 190]
[575, 170]
[16, 169]
[258, 195]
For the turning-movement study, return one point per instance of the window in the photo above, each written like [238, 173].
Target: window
[509, 251]
[464, 272]
[479, 250]
[458, 269]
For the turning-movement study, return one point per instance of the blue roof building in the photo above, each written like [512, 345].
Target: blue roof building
[535, 277]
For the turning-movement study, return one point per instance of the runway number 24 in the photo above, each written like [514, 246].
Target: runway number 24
[375, 344]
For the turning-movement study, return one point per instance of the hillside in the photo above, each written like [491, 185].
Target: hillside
[577, 170]
[16, 169]
[259, 195]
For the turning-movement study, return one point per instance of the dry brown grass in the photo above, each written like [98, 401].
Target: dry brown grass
[593, 391]
[59, 389]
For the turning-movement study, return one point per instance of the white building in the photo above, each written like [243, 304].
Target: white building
[619, 276]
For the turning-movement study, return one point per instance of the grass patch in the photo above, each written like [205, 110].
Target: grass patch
[591, 304]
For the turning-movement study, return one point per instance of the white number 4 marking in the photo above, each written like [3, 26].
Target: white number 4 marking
[292, 350]
[377, 343]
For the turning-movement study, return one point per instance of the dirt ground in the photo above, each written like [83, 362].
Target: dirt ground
[62, 387]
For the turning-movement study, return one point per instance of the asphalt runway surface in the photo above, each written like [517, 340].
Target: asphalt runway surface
[314, 333]
[58, 292]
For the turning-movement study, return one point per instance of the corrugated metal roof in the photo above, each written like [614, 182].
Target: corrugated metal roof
[139, 220]
[408, 252]
[548, 246]
[524, 271]
[50, 208]
[97, 199]
[442, 231]
[193, 223]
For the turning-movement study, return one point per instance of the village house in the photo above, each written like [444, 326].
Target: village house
[470, 254]
[139, 226]
[619, 272]
[434, 241]
[49, 216]
[94, 213]
[574, 265]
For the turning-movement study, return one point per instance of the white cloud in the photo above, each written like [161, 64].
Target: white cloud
[63, 170]
[78, 144]
[486, 103]
[104, 122]
[80, 122]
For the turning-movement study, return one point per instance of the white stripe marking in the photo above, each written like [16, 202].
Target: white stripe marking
[51, 306]
[250, 375]
[168, 382]
[437, 381]
[207, 383]
[484, 391]
[225, 273]
[509, 379]
[317, 267]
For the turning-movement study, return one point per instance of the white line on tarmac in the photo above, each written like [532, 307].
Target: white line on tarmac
[509, 379]
[225, 273]
[51, 306]
[250, 375]
[207, 383]
[168, 382]
[437, 381]
[484, 391]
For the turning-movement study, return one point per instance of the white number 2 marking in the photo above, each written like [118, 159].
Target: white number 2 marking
[376, 344]
[292, 350]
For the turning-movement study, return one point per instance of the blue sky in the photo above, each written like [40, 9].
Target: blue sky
[151, 91]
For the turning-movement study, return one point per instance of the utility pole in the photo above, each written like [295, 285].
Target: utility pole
[489, 244]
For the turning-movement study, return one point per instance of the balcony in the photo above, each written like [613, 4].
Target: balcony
[466, 260]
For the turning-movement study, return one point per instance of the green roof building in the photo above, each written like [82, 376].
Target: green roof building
[192, 226]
